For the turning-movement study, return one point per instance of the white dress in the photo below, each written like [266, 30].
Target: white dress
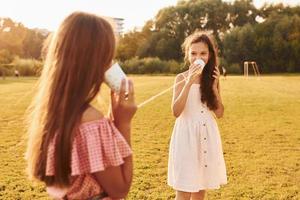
[196, 159]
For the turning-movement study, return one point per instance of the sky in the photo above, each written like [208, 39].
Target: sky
[47, 14]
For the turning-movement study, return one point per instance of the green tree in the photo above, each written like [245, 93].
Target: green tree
[273, 44]
[173, 24]
[20, 40]
[32, 44]
[6, 57]
[128, 45]
[11, 36]
[243, 12]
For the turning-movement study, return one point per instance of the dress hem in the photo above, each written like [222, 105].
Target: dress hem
[193, 189]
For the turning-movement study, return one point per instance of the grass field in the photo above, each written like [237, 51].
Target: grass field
[260, 133]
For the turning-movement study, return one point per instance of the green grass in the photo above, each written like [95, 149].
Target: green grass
[260, 133]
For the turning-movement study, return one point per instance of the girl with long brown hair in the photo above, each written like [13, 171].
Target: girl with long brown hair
[76, 151]
[196, 160]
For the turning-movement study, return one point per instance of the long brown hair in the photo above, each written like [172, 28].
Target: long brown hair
[77, 57]
[207, 95]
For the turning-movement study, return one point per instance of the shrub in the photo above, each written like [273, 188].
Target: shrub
[132, 66]
[175, 67]
[28, 67]
[150, 66]
[5, 56]
[6, 70]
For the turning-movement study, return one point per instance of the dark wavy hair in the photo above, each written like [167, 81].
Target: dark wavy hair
[207, 95]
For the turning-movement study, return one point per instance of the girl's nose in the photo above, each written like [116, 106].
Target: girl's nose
[199, 57]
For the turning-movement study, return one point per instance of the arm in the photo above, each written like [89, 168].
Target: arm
[116, 181]
[181, 89]
[216, 90]
[220, 107]
[180, 94]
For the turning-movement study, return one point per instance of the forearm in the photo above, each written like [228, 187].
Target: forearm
[116, 180]
[127, 167]
[125, 130]
[180, 101]
[220, 107]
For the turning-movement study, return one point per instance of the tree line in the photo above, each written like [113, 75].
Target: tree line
[20, 48]
[269, 35]
[17, 40]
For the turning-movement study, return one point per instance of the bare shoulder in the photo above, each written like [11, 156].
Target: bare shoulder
[181, 76]
[91, 114]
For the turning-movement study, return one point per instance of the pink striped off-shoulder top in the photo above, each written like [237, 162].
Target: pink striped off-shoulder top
[97, 145]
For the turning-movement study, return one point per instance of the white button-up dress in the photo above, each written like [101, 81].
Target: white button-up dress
[196, 159]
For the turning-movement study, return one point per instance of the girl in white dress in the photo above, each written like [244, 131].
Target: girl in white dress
[196, 161]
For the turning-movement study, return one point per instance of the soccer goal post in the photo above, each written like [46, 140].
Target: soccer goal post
[254, 66]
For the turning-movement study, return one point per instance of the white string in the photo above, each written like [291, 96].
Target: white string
[161, 93]
[155, 96]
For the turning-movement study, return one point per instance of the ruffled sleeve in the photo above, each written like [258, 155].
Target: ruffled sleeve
[96, 146]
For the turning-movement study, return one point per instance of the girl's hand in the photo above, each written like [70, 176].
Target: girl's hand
[123, 105]
[194, 71]
[216, 76]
